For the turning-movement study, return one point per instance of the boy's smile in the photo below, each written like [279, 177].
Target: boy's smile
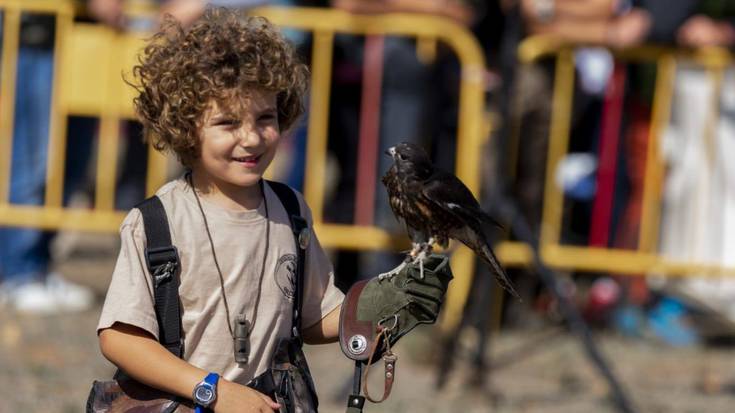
[237, 144]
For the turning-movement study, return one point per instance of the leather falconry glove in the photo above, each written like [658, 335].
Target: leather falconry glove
[391, 307]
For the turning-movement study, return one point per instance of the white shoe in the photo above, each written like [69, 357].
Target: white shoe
[56, 295]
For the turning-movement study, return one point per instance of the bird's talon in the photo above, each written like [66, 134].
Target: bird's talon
[390, 274]
[420, 259]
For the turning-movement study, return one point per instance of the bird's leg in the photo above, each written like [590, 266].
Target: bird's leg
[409, 258]
[425, 250]
[417, 247]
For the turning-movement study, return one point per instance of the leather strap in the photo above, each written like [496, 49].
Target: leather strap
[389, 360]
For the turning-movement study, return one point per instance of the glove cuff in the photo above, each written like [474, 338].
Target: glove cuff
[356, 337]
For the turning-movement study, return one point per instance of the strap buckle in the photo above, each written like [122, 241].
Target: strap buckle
[162, 263]
[300, 228]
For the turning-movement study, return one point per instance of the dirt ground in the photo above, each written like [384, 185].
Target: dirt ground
[48, 363]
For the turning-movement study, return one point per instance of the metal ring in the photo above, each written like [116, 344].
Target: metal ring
[357, 344]
[393, 317]
[304, 238]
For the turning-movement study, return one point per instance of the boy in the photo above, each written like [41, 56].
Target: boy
[218, 95]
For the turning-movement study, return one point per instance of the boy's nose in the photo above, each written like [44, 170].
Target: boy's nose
[248, 135]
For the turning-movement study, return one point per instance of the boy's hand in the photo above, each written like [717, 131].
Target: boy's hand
[233, 397]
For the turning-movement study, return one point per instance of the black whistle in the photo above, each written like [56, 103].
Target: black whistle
[242, 340]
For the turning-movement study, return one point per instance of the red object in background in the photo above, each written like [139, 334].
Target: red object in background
[612, 117]
[603, 295]
[636, 143]
[367, 153]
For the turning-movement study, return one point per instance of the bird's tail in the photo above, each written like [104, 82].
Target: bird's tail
[487, 255]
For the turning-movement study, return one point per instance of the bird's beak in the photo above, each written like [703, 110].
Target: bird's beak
[391, 151]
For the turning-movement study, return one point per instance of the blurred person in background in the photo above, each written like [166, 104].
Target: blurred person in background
[527, 99]
[27, 282]
[112, 12]
[606, 23]
[698, 220]
[413, 105]
[712, 24]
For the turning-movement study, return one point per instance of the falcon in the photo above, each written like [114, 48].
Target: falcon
[436, 206]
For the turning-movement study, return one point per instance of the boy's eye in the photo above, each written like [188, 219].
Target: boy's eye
[267, 117]
[227, 122]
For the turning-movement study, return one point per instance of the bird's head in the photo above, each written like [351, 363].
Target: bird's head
[410, 158]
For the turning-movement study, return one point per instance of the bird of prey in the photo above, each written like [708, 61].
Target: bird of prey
[436, 206]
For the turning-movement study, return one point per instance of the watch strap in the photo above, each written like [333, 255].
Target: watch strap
[211, 379]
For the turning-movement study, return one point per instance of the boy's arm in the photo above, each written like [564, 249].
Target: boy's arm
[325, 330]
[137, 353]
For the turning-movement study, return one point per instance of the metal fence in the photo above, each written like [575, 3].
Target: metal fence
[89, 61]
[646, 258]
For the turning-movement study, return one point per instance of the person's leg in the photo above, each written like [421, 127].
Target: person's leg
[25, 255]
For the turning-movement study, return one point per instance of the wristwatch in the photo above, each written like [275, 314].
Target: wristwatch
[205, 393]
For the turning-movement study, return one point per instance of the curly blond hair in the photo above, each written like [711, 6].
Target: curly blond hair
[221, 56]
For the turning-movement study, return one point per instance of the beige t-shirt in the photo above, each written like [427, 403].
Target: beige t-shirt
[240, 241]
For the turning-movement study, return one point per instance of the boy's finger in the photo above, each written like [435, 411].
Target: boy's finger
[270, 402]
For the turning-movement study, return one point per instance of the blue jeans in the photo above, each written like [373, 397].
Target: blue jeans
[24, 253]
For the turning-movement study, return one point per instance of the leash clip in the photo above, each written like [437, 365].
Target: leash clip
[164, 273]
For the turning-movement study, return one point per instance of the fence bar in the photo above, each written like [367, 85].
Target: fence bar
[653, 178]
[48, 218]
[627, 262]
[108, 143]
[316, 146]
[426, 49]
[156, 174]
[469, 152]
[57, 118]
[561, 118]
[716, 76]
[38, 6]
[11, 34]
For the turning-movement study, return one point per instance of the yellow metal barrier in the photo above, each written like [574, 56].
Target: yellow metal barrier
[90, 59]
[645, 259]
[88, 62]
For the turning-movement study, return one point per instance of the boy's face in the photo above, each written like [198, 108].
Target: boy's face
[238, 143]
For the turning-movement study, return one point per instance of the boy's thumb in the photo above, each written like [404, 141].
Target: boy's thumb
[273, 405]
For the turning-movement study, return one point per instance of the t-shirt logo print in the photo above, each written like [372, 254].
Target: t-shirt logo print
[286, 275]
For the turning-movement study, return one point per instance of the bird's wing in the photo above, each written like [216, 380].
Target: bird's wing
[446, 191]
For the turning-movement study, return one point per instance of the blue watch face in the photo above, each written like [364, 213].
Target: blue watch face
[204, 395]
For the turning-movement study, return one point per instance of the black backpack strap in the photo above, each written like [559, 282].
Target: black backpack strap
[163, 263]
[301, 232]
